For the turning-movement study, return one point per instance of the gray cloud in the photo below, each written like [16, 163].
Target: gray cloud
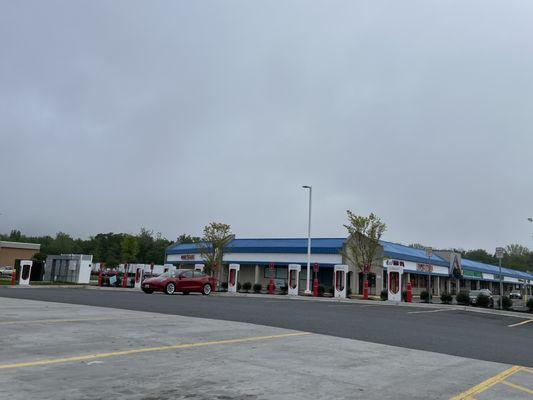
[116, 115]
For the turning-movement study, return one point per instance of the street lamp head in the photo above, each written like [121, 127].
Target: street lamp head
[530, 219]
[306, 187]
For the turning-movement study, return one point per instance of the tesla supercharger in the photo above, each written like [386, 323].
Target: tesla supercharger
[199, 267]
[394, 282]
[25, 272]
[339, 275]
[294, 279]
[232, 278]
[139, 273]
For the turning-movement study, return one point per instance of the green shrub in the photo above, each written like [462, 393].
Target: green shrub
[446, 298]
[331, 290]
[462, 298]
[507, 303]
[257, 288]
[529, 304]
[246, 286]
[321, 290]
[384, 295]
[482, 300]
[424, 296]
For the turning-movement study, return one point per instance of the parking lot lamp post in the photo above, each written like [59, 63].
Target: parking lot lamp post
[499, 256]
[429, 253]
[307, 290]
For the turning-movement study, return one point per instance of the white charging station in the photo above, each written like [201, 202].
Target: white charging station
[139, 275]
[394, 282]
[294, 279]
[233, 277]
[199, 267]
[339, 275]
[25, 272]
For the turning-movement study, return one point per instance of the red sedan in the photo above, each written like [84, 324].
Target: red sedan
[181, 280]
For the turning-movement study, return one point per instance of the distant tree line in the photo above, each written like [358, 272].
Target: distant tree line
[111, 248]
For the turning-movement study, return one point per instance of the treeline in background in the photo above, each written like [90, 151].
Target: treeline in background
[111, 248]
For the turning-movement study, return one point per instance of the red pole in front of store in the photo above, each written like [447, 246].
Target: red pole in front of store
[125, 276]
[271, 282]
[409, 292]
[365, 289]
[14, 277]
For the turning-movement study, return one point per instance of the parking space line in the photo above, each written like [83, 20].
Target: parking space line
[53, 321]
[518, 387]
[527, 321]
[88, 357]
[488, 383]
[432, 311]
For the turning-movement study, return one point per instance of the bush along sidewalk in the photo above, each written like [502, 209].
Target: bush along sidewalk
[507, 303]
[446, 298]
[246, 286]
[257, 288]
[529, 304]
[462, 298]
[482, 300]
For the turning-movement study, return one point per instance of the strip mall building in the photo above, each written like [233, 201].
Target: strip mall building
[448, 271]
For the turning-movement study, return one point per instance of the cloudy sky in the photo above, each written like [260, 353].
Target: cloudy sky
[171, 114]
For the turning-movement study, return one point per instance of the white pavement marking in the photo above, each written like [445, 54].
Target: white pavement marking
[520, 323]
[432, 311]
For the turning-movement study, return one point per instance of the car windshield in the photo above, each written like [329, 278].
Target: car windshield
[167, 274]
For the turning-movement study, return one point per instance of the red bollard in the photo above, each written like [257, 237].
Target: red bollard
[100, 278]
[272, 269]
[409, 292]
[125, 276]
[365, 289]
[14, 277]
[315, 287]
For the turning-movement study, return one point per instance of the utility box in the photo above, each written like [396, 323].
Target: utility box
[74, 268]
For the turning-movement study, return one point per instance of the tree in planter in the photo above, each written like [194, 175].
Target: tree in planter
[363, 241]
[246, 286]
[214, 241]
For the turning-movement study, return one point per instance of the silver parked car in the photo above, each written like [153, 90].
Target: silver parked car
[6, 272]
[515, 294]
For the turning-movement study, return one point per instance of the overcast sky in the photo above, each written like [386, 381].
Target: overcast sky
[171, 114]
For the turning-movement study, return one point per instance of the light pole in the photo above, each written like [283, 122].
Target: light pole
[499, 256]
[307, 291]
[429, 252]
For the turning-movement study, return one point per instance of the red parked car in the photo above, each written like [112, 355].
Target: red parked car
[181, 280]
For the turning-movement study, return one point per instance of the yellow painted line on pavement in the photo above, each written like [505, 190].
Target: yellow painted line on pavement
[54, 321]
[518, 387]
[527, 321]
[488, 383]
[88, 357]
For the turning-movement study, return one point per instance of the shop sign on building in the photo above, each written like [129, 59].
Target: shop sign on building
[187, 257]
[424, 267]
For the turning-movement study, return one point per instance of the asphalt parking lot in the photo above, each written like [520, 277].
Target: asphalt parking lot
[66, 351]
[450, 331]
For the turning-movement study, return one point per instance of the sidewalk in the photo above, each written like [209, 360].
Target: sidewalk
[381, 303]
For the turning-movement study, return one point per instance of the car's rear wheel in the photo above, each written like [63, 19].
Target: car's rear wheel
[170, 288]
[148, 291]
[206, 289]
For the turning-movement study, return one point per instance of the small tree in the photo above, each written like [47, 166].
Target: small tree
[129, 247]
[363, 241]
[216, 237]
